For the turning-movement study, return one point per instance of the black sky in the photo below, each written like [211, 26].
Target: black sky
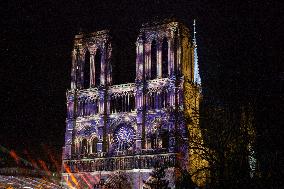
[239, 46]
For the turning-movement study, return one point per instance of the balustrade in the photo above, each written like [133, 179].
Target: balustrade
[121, 98]
[121, 163]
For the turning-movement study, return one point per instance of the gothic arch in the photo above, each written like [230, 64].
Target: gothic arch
[152, 36]
[87, 70]
[87, 103]
[165, 138]
[84, 147]
[98, 60]
[93, 141]
[158, 133]
[154, 59]
[165, 57]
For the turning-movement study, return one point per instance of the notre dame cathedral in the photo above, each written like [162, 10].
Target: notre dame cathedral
[117, 134]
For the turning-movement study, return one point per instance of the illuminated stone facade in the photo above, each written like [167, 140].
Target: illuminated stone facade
[122, 131]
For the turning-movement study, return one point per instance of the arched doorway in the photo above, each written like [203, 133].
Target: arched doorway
[84, 148]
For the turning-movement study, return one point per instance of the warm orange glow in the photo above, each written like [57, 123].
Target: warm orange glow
[86, 181]
[52, 158]
[33, 162]
[69, 184]
[198, 165]
[74, 180]
[43, 165]
[15, 156]
[42, 182]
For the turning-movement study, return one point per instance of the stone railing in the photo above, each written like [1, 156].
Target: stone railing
[122, 88]
[121, 163]
[84, 92]
[119, 153]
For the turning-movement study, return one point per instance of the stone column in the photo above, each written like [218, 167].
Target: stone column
[140, 109]
[73, 71]
[91, 146]
[139, 58]
[103, 65]
[92, 69]
[108, 64]
[128, 104]
[179, 53]
[171, 57]
[100, 138]
[139, 90]
[80, 63]
[147, 60]
[159, 58]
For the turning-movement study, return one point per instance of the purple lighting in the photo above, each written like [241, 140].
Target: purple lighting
[129, 126]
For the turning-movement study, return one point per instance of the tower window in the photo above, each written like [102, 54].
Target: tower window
[97, 67]
[153, 59]
[94, 145]
[165, 58]
[87, 70]
[84, 149]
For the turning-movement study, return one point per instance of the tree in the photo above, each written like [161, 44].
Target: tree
[221, 141]
[156, 179]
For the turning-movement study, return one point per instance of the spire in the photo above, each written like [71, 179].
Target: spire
[196, 78]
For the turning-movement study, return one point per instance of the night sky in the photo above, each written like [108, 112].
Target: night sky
[239, 47]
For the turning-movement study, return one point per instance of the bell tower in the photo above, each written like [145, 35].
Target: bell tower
[90, 77]
[91, 60]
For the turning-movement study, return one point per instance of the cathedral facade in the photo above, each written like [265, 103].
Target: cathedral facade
[117, 134]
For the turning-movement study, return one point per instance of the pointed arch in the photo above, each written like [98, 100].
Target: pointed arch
[98, 58]
[94, 145]
[154, 59]
[165, 57]
[84, 147]
[87, 70]
[165, 139]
